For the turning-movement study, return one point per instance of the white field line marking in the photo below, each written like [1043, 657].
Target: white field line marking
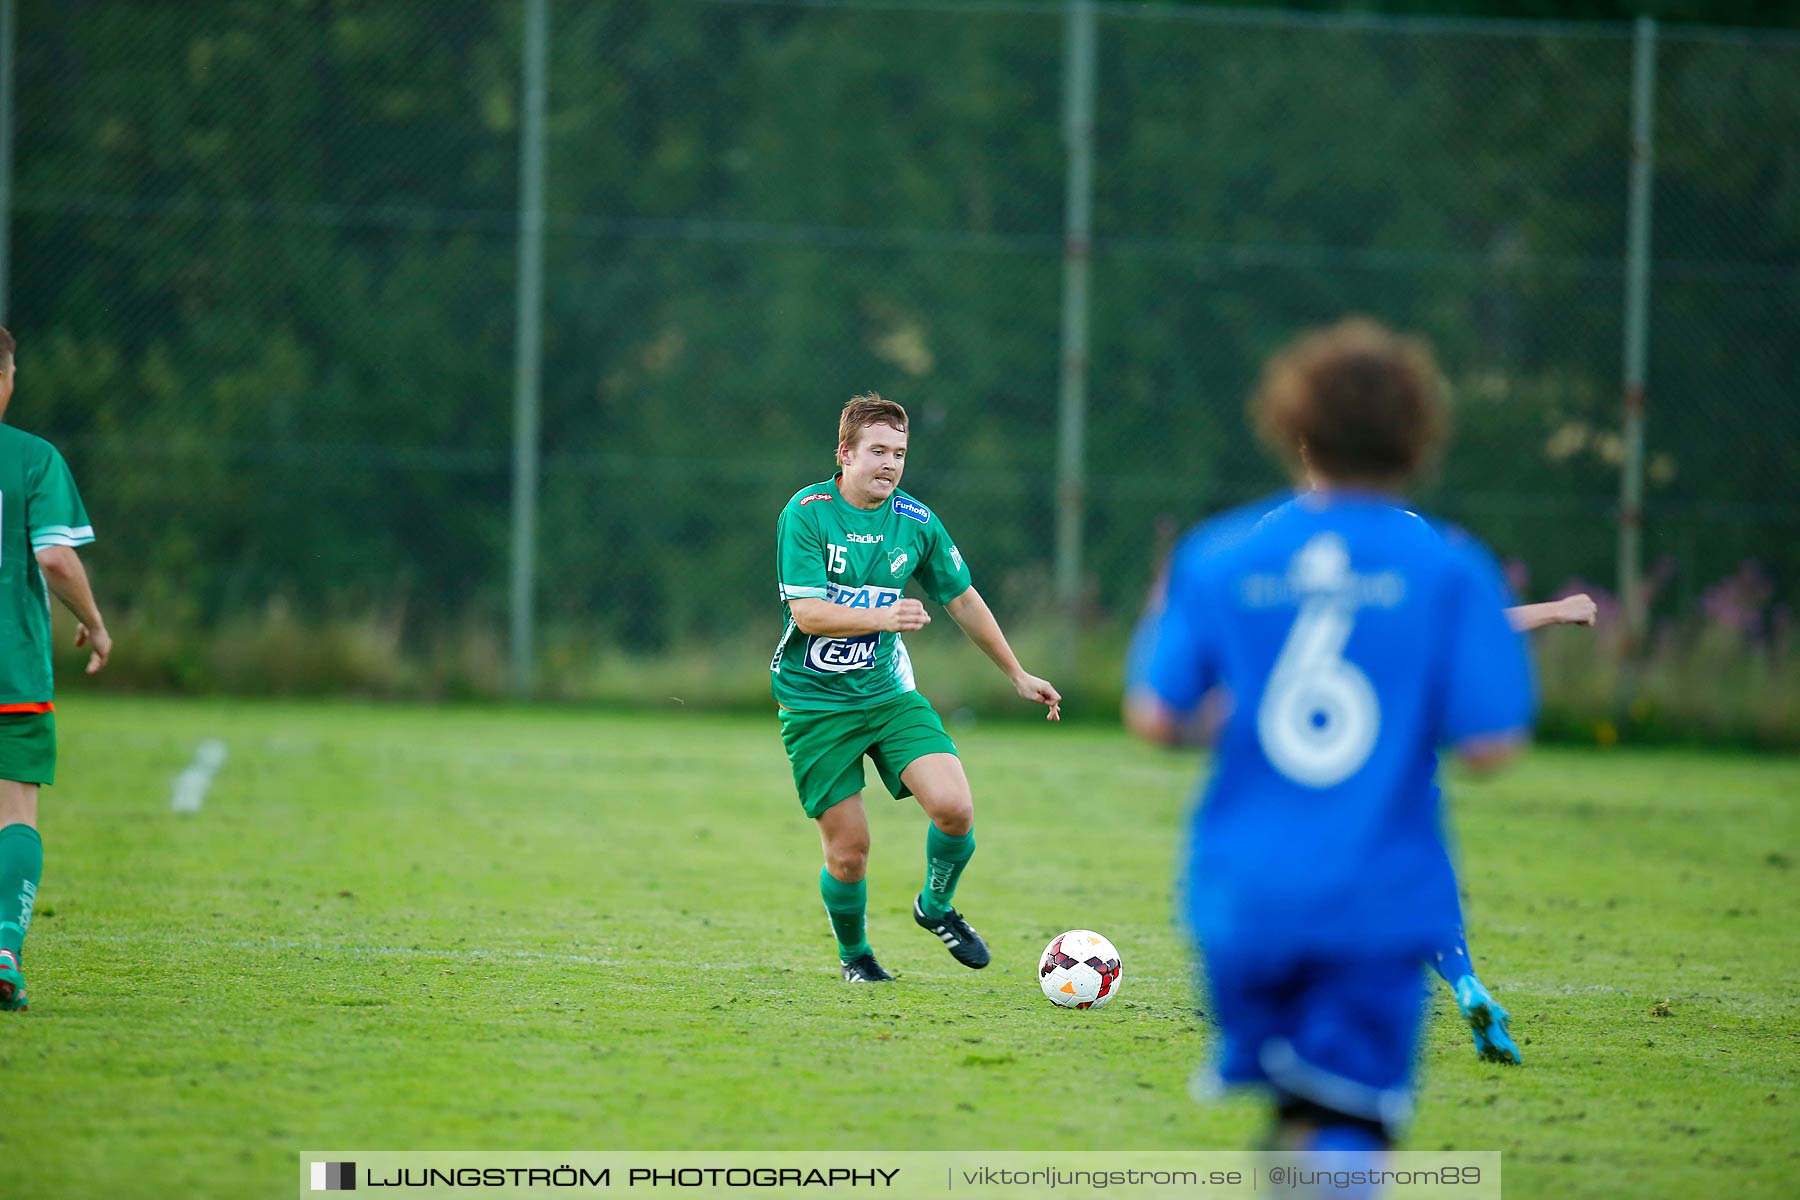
[188, 792]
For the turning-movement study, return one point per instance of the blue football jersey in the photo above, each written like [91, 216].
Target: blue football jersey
[1353, 639]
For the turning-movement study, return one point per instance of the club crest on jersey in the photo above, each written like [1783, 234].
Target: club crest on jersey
[895, 563]
[907, 507]
[837, 655]
[815, 496]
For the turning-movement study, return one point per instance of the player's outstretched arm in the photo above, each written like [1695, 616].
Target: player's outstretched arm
[1578, 609]
[822, 618]
[1147, 717]
[1485, 755]
[68, 579]
[972, 614]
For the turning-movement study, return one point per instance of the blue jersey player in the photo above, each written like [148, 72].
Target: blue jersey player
[1349, 640]
[1488, 1022]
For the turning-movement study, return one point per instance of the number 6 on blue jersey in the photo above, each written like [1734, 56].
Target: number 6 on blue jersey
[1319, 716]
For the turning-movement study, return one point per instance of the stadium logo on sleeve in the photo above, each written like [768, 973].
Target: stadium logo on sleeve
[815, 496]
[908, 507]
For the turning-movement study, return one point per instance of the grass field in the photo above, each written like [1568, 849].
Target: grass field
[413, 928]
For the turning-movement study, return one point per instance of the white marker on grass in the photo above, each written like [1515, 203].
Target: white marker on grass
[190, 787]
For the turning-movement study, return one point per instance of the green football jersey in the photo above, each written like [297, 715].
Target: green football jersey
[828, 550]
[39, 507]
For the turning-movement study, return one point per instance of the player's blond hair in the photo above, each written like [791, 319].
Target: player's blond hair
[1360, 402]
[868, 409]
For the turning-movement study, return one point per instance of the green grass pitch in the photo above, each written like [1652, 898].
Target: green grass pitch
[416, 928]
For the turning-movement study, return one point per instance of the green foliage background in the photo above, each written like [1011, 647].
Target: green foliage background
[265, 259]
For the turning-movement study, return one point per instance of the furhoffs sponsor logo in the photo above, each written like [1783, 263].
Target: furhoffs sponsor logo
[908, 507]
[334, 1177]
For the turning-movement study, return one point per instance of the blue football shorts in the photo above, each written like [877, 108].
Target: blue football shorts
[1341, 1032]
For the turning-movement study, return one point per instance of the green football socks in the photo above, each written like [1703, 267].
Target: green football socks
[945, 858]
[21, 866]
[846, 904]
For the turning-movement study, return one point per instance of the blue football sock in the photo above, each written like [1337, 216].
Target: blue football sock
[1345, 1139]
[1452, 960]
[1337, 1149]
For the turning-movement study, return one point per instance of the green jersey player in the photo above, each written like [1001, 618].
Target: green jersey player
[844, 684]
[41, 523]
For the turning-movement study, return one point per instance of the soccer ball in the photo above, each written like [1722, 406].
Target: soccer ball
[1079, 969]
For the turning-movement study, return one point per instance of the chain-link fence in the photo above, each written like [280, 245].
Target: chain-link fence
[265, 261]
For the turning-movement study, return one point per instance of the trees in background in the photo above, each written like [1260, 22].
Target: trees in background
[264, 271]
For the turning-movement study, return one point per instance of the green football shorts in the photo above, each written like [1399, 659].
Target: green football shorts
[826, 748]
[28, 747]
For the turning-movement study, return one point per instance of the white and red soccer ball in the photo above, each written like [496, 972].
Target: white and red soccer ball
[1079, 969]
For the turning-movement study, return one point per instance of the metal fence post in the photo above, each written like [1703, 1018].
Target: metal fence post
[1637, 317]
[527, 348]
[1071, 492]
[8, 24]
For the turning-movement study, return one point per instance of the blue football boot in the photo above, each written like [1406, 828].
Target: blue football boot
[1487, 1021]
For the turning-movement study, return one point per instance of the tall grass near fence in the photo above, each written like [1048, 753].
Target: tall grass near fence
[1726, 672]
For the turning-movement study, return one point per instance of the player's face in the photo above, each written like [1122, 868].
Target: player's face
[872, 466]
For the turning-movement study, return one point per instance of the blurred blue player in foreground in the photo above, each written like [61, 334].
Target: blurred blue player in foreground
[1339, 640]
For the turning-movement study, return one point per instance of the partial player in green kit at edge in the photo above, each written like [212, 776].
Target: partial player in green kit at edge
[843, 680]
[41, 522]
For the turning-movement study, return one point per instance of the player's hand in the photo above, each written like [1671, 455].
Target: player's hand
[1578, 609]
[98, 641]
[906, 616]
[1039, 691]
